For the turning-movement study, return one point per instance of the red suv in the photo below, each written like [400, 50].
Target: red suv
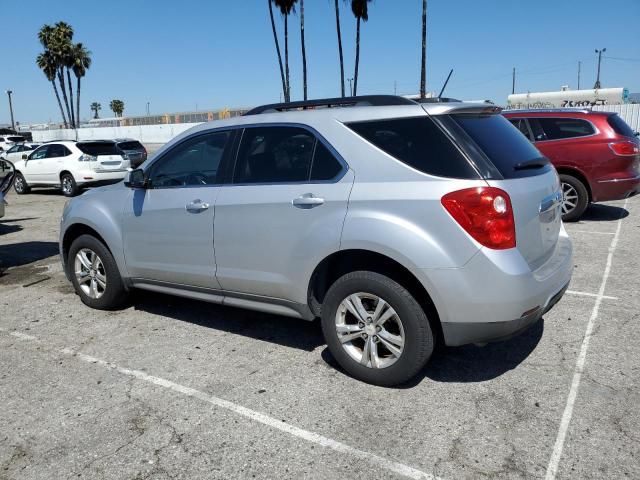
[596, 154]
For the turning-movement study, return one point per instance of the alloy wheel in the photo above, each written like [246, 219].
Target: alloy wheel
[370, 330]
[19, 184]
[67, 185]
[90, 273]
[569, 198]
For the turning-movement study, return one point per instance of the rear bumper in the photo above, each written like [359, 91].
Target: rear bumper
[616, 189]
[496, 295]
[91, 178]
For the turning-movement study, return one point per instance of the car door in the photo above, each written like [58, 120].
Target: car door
[168, 227]
[53, 163]
[33, 169]
[282, 212]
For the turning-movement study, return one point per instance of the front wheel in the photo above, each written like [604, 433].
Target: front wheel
[375, 329]
[575, 198]
[20, 184]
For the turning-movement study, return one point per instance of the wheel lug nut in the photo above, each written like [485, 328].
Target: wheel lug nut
[364, 335]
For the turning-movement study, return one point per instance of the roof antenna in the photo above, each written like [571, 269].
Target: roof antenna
[445, 83]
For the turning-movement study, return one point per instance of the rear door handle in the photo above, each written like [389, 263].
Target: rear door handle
[307, 201]
[197, 206]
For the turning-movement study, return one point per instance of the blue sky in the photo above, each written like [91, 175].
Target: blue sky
[215, 54]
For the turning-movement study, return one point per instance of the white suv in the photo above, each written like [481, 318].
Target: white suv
[71, 166]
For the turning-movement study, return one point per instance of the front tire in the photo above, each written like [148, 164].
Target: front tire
[68, 185]
[575, 198]
[375, 329]
[20, 184]
[95, 275]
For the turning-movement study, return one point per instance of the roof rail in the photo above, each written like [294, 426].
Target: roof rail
[548, 110]
[437, 100]
[364, 100]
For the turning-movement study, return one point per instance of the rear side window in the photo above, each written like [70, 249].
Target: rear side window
[501, 143]
[561, 128]
[419, 143]
[620, 126]
[325, 165]
[131, 145]
[56, 151]
[99, 148]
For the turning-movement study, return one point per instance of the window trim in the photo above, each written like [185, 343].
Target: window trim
[148, 170]
[595, 129]
[319, 138]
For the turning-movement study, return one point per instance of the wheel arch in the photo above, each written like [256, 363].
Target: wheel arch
[574, 172]
[76, 230]
[342, 262]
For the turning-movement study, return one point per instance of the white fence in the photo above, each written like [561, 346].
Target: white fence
[144, 133]
[630, 113]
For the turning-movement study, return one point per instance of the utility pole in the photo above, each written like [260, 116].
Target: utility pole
[350, 80]
[148, 111]
[13, 125]
[579, 65]
[513, 82]
[395, 87]
[599, 52]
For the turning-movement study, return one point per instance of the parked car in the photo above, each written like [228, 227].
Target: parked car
[71, 166]
[399, 224]
[6, 142]
[596, 154]
[15, 152]
[134, 150]
[7, 175]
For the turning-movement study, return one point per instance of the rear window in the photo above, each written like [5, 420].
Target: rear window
[620, 126]
[419, 143]
[134, 145]
[502, 143]
[99, 148]
[15, 139]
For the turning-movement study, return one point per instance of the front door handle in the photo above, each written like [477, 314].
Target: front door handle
[197, 206]
[306, 201]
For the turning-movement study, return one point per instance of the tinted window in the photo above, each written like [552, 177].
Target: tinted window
[15, 139]
[274, 154]
[99, 148]
[39, 153]
[193, 162]
[56, 151]
[521, 124]
[419, 143]
[501, 143]
[536, 129]
[131, 145]
[620, 126]
[325, 165]
[15, 148]
[559, 128]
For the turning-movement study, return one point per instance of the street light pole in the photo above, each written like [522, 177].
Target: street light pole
[13, 125]
[599, 52]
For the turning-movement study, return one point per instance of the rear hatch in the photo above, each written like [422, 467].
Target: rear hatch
[107, 156]
[507, 160]
[134, 151]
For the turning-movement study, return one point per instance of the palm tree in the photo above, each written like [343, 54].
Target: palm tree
[423, 69]
[60, 42]
[275, 38]
[304, 51]
[286, 7]
[360, 9]
[117, 106]
[47, 63]
[81, 62]
[340, 48]
[95, 107]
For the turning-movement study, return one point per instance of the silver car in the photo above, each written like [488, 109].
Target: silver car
[398, 224]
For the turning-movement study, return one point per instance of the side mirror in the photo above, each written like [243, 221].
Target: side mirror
[24, 156]
[7, 180]
[135, 179]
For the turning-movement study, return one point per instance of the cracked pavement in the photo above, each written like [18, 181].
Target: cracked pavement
[490, 412]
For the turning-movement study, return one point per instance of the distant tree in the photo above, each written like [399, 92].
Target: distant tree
[47, 63]
[81, 62]
[275, 38]
[95, 108]
[304, 52]
[360, 9]
[423, 68]
[286, 8]
[340, 48]
[117, 106]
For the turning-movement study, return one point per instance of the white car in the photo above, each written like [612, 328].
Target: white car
[71, 166]
[7, 175]
[14, 153]
[6, 142]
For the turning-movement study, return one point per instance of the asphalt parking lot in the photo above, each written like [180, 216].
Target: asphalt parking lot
[172, 388]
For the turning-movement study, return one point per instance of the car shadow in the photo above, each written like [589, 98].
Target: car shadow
[285, 331]
[598, 212]
[471, 363]
[5, 229]
[14, 220]
[18, 254]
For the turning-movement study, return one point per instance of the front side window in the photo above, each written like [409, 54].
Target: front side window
[14, 149]
[561, 128]
[521, 124]
[39, 153]
[193, 162]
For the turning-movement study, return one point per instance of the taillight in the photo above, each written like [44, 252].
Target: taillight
[485, 213]
[87, 158]
[625, 148]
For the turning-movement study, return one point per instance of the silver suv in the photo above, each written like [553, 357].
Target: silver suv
[399, 224]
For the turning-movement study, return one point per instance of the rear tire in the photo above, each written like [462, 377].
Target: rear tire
[575, 198]
[95, 275]
[68, 185]
[20, 184]
[398, 347]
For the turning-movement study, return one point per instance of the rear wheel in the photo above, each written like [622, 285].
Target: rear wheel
[375, 329]
[68, 185]
[575, 198]
[20, 184]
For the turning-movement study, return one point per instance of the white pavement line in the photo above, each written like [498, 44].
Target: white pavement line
[312, 437]
[552, 468]
[587, 294]
[590, 231]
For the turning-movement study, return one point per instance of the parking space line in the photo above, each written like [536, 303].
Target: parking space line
[312, 437]
[587, 294]
[552, 468]
[590, 231]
